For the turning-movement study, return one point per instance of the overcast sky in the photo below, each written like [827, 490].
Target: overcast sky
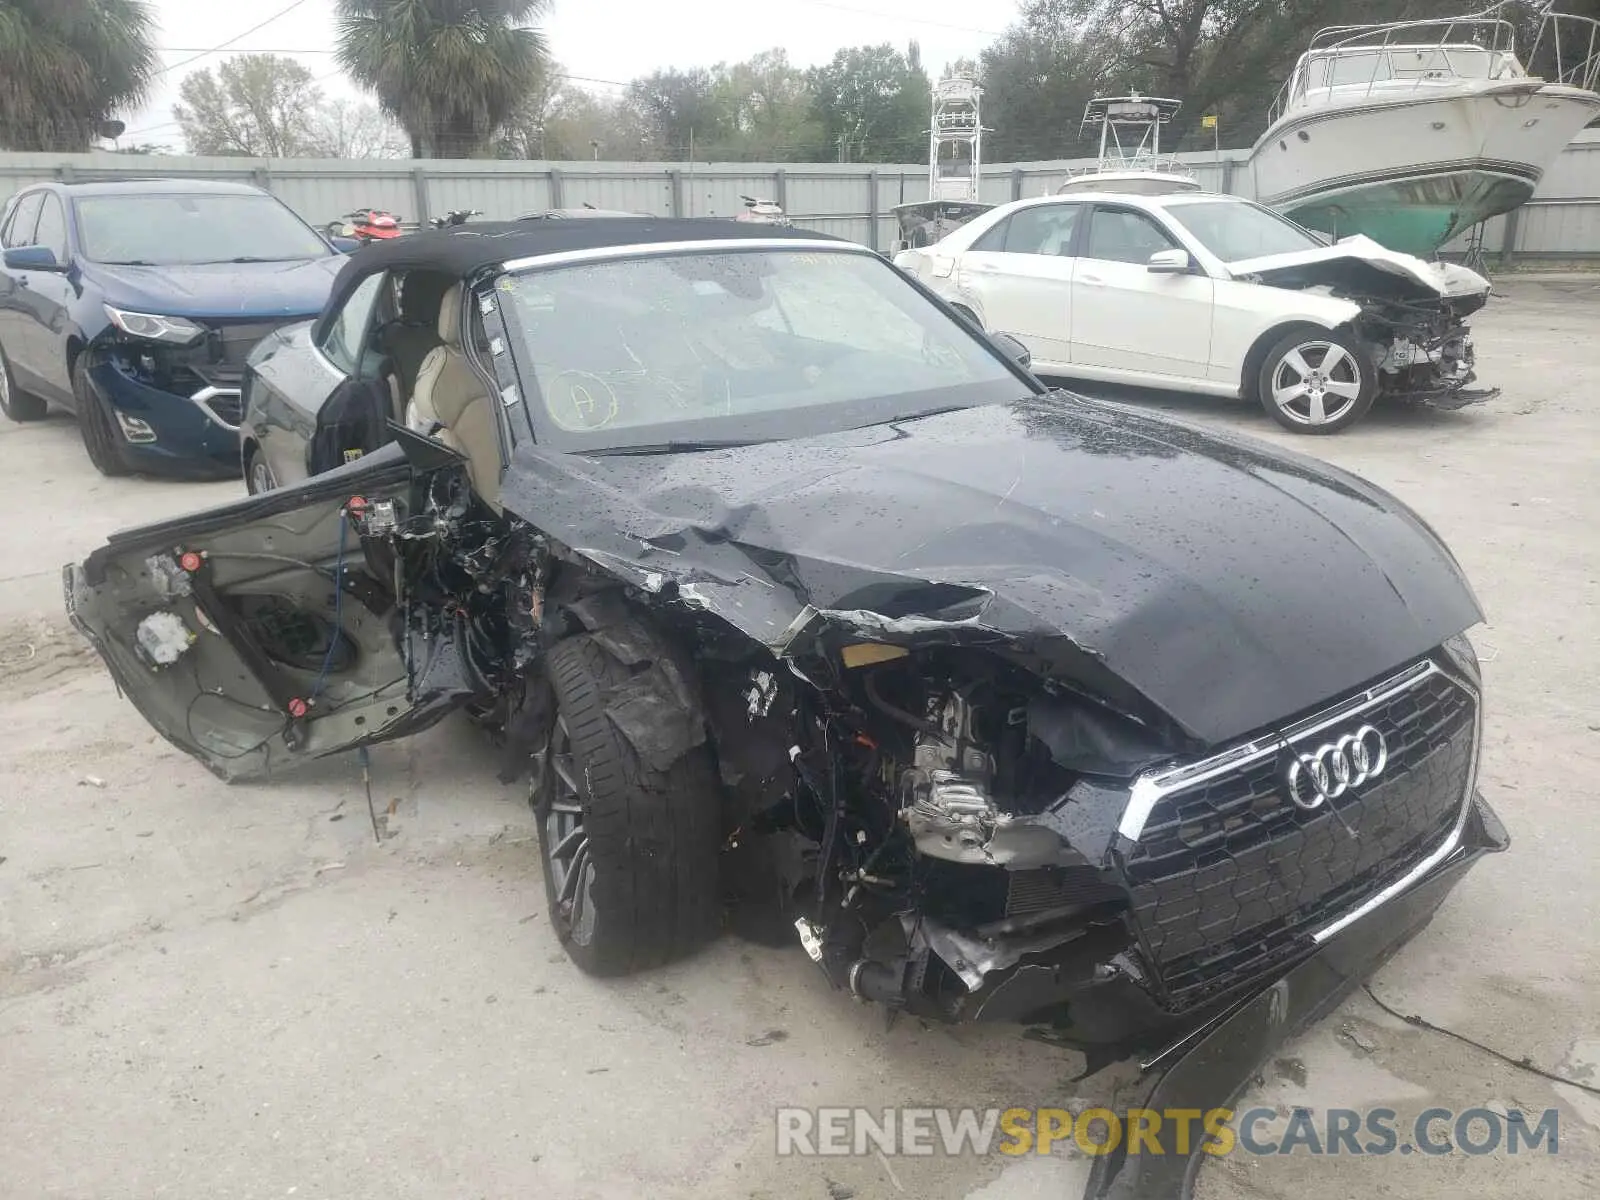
[596, 40]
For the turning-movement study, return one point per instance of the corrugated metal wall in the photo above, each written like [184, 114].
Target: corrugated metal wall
[852, 201]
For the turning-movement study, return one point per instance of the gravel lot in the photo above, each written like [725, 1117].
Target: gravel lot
[213, 991]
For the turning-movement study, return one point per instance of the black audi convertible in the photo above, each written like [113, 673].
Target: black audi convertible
[800, 599]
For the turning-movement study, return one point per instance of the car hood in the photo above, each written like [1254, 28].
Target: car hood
[1230, 585]
[278, 289]
[1332, 265]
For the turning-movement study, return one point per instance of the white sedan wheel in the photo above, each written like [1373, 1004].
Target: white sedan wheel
[1317, 383]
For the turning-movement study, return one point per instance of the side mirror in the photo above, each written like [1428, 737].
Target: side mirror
[1169, 262]
[346, 245]
[1013, 349]
[32, 258]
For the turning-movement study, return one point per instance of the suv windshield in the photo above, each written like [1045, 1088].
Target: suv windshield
[1235, 230]
[169, 229]
[738, 345]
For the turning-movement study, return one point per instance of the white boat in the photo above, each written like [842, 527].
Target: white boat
[1130, 158]
[1414, 132]
[955, 161]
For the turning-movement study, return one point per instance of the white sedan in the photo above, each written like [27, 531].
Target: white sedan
[1202, 292]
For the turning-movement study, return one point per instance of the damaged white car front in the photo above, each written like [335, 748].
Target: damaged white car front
[1412, 313]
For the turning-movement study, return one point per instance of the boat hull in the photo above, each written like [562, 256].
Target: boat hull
[1411, 173]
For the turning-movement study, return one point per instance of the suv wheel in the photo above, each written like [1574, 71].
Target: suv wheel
[98, 428]
[19, 406]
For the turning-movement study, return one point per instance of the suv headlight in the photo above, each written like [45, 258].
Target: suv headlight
[153, 327]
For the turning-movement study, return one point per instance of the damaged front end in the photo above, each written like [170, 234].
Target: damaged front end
[1423, 349]
[1413, 314]
[960, 832]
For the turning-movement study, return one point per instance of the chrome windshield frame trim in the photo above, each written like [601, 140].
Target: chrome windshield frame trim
[1149, 788]
[698, 246]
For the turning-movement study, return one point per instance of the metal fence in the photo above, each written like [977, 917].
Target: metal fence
[852, 201]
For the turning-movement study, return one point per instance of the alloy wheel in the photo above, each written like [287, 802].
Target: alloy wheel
[1316, 383]
[261, 479]
[566, 843]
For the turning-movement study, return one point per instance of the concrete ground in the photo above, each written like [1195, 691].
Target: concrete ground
[232, 992]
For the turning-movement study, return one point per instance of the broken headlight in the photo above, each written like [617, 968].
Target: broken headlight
[154, 327]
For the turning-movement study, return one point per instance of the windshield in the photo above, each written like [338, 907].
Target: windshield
[1235, 230]
[738, 345]
[172, 229]
[1379, 65]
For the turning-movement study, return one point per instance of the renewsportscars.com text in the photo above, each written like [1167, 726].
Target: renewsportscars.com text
[1219, 1131]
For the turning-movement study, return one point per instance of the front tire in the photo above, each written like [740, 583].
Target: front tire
[257, 474]
[1317, 381]
[629, 851]
[19, 406]
[98, 428]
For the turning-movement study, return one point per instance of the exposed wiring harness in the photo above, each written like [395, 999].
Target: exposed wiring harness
[1524, 1063]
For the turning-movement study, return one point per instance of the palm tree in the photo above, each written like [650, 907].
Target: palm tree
[451, 72]
[66, 65]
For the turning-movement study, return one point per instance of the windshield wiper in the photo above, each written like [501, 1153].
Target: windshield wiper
[126, 262]
[677, 446]
[927, 412]
[243, 258]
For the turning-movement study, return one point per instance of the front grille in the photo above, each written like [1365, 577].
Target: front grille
[1228, 878]
[218, 359]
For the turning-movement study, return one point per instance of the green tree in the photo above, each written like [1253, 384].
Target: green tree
[559, 121]
[67, 65]
[766, 104]
[683, 110]
[451, 72]
[256, 105]
[871, 104]
[1038, 76]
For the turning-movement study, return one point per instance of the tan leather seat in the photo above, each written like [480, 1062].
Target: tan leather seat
[450, 392]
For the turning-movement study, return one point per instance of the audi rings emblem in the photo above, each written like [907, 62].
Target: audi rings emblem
[1332, 769]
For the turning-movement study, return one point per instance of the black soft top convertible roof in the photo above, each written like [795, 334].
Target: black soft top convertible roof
[463, 250]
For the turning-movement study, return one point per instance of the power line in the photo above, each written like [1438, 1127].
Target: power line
[236, 38]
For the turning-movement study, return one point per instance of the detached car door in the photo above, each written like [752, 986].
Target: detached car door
[1019, 277]
[1128, 317]
[273, 629]
[298, 372]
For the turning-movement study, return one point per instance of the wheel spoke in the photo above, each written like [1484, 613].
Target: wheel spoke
[1317, 412]
[1296, 362]
[1349, 391]
[564, 772]
[1288, 395]
[574, 876]
[568, 844]
[1335, 355]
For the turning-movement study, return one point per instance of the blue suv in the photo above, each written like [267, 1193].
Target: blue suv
[134, 305]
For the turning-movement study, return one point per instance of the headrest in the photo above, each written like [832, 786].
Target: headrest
[420, 294]
[450, 317]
